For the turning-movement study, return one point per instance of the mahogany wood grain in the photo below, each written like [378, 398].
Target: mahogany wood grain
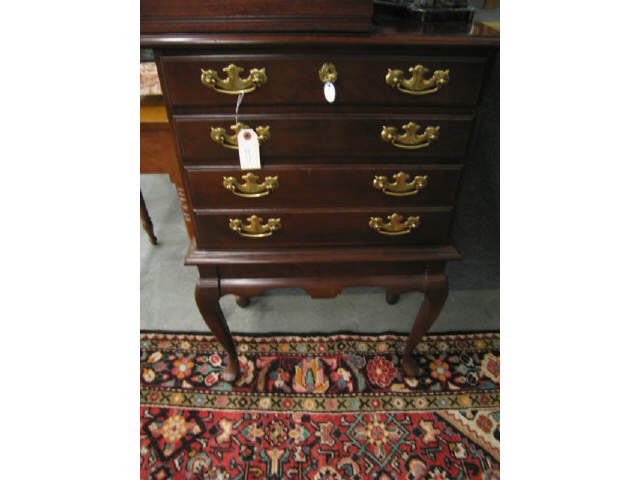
[335, 111]
[319, 270]
[321, 287]
[386, 35]
[321, 227]
[157, 149]
[152, 25]
[263, 8]
[322, 186]
[293, 79]
[263, 15]
[205, 163]
[321, 135]
[206, 258]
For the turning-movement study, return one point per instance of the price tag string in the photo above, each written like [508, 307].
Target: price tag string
[238, 102]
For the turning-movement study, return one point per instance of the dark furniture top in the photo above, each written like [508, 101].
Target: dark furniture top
[386, 33]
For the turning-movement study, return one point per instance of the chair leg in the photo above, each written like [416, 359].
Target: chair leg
[146, 221]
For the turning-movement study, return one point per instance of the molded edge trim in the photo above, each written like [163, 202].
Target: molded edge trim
[196, 256]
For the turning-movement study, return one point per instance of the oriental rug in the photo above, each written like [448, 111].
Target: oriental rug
[333, 407]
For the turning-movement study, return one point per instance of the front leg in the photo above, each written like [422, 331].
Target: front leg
[436, 294]
[207, 296]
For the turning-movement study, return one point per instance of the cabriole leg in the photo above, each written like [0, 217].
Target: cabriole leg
[207, 296]
[434, 298]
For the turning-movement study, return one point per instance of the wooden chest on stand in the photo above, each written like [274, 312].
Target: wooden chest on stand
[357, 192]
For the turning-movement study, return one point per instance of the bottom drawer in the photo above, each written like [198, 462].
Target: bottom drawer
[322, 227]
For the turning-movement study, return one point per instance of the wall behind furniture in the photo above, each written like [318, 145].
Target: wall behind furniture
[476, 229]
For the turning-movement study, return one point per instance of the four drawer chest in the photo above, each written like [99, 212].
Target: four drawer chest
[360, 191]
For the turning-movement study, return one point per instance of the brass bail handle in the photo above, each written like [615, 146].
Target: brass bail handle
[417, 84]
[234, 84]
[396, 225]
[250, 188]
[254, 228]
[230, 140]
[412, 138]
[401, 187]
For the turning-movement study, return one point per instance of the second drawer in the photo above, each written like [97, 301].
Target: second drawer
[340, 185]
[209, 139]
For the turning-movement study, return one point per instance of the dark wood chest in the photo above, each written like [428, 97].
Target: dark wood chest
[361, 191]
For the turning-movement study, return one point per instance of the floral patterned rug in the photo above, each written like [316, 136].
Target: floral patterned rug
[333, 407]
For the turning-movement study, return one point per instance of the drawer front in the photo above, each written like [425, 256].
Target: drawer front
[345, 185]
[325, 135]
[295, 79]
[322, 227]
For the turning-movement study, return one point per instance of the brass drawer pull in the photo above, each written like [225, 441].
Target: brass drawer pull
[250, 188]
[417, 85]
[233, 84]
[410, 139]
[395, 226]
[400, 188]
[230, 140]
[255, 228]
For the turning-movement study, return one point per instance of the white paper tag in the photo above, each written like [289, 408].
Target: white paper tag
[248, 149]
[329, 92]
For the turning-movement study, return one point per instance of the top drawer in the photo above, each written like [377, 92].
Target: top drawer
[295, 79]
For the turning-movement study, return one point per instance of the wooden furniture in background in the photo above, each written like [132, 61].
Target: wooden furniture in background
[161, 16]
[158, 155]
[147, 224]
[359, 192]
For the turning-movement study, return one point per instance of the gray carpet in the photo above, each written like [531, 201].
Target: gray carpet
[167, 303]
